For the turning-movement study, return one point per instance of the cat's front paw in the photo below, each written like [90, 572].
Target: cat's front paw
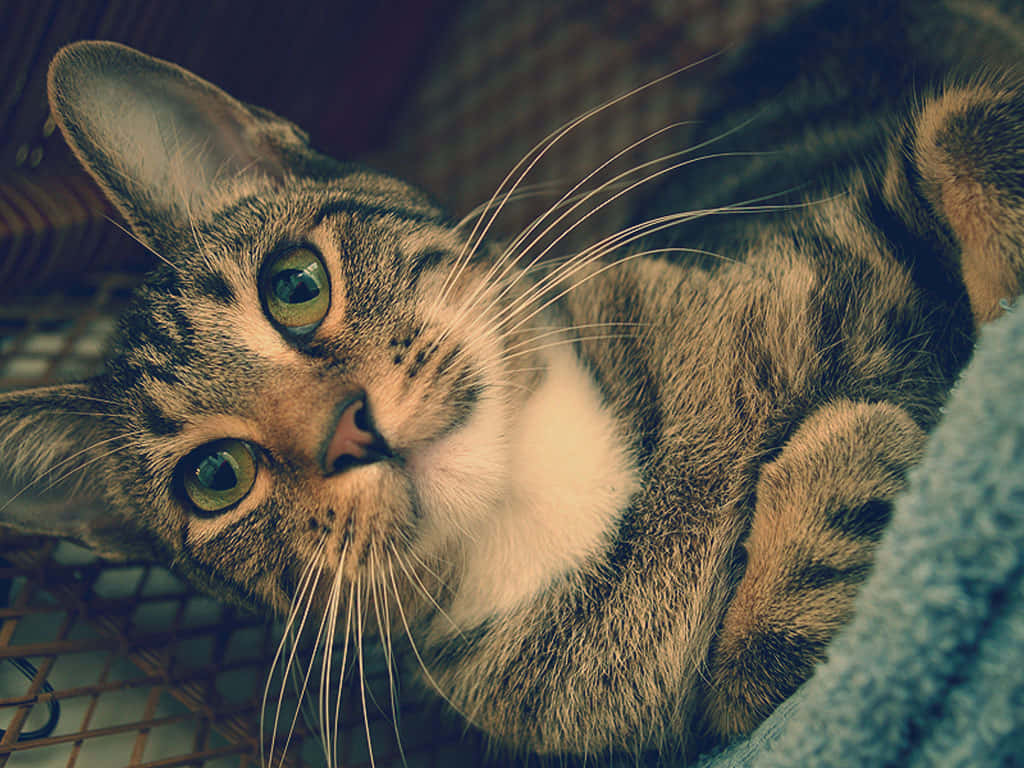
[821, 507]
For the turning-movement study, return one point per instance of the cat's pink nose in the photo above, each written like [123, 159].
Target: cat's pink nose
[353, 440]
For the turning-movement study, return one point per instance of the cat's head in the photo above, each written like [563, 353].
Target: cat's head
[310, 375]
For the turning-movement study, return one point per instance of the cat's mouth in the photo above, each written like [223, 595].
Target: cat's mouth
[354, 439]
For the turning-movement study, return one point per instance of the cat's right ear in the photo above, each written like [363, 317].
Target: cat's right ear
[58, 448]
[164, 144]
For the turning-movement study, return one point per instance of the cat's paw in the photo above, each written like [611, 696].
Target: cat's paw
[968, 147]
[821, 508]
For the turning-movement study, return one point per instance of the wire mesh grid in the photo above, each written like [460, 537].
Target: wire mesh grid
[107, 664]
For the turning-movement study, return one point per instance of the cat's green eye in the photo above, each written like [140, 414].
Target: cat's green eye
[295, 290]
[218, 474]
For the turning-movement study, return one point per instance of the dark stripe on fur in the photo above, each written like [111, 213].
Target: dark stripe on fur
[366, 211]
[992, 133]
[780, 660]
[866, 521]
[923, 253]
[817, 575]
[154, 419]
[214, 286]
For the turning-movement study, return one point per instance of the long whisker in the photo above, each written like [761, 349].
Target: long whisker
[612, 265]
[412, 642]
[297, 600]
[144, 244]
[532, 157]
[328, 659]
[578, 263]
[523, 193]
[419, 560]
[626, 236]
[612, 183]
[304, 707]
[344, 660]
[303, 597]
[545, 144]
[309, 670]
[416, 582]
[522, 236]
[564, 342]
[384, 624]
[567, 331]
[362, 673]
[565, 233]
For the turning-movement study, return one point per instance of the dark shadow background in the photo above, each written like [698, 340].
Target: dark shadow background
[447, 93]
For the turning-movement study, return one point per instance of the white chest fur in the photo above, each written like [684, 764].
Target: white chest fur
[571, 477]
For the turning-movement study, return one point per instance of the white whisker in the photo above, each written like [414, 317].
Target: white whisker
[362, 672]
[622, 238]
[384, 625]
[297, 599]
[522, 236]
[344, 660]
[568, 330]
[328, 659]
[523, 193]
[565, 233]
[312, 660]
[145, 245]
[531, 158]
[415, 581]
[412, 643]
[612, 183]
[564, 342]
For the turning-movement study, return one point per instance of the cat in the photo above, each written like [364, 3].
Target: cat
[621, 501]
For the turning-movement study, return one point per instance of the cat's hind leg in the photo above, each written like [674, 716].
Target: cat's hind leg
[967, 148]
[820, 510]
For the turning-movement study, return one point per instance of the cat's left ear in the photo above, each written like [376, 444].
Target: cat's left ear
[164, 144]
[58, 453]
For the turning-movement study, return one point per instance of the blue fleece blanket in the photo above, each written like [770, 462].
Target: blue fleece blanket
[931, 670]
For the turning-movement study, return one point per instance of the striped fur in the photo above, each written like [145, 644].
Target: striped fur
[633, 540]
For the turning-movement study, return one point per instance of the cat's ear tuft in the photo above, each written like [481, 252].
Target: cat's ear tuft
[163, 143]
[56, 451]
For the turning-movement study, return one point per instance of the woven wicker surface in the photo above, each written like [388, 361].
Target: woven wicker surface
[146, 672]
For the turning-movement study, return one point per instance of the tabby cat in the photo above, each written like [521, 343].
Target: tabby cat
[621, 500]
